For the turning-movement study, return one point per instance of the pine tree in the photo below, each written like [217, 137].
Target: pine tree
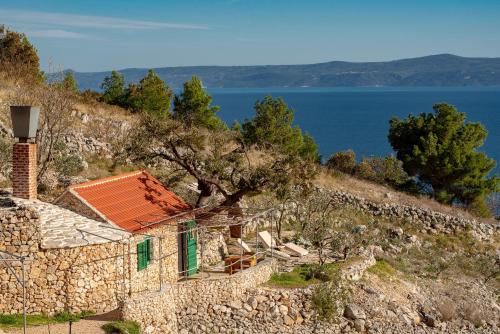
[440, 150]
[153, 96]
[193, 106]
[113, 88]
[69, 83]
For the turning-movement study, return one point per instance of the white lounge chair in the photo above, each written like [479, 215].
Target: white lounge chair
[295, 249]
[266, 239]
[243, 245]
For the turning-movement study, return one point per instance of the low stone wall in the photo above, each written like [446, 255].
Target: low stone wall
[429, 220]
[160, 312]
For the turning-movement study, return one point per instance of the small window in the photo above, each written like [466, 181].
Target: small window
[144, 254]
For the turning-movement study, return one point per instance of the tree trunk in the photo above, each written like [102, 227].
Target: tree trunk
[206, 191]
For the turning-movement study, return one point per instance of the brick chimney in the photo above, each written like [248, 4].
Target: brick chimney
[24, 170]
[24, 164]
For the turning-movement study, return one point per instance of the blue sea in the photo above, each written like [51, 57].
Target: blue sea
[358, 118]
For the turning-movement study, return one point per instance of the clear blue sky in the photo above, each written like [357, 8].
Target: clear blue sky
[96, 35]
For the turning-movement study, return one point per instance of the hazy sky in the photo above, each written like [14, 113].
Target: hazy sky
[92, 35]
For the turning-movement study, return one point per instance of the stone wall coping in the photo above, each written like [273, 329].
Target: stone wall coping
[62, 228]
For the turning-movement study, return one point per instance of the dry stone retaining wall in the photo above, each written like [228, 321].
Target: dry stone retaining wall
[431, 221]
[163, 312]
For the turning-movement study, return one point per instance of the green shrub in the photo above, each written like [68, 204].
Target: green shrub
[382, 269]
[299, 277]
[344, 161]
[330, 298]
[122, 327]
[479, 208]
[68, 165]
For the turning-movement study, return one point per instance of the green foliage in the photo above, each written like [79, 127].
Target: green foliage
[113, 88]
[16, 320]
[217, 157]
[388, 170]
[383, 269]
[18, 55]
[68, 164]
[272, 127]
[330, 298]
[151, 96]
[344, 161]
[5, 156]
[122, 327]
[440, 149]
[309, 150]
[480, 208]
[304, 275]
[193, 106]
[299, 277]
[69, 83]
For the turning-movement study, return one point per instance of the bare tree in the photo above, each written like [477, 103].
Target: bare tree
[319, 223]
[56, 106]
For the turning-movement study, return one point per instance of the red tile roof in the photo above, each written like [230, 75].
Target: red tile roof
[131, 200]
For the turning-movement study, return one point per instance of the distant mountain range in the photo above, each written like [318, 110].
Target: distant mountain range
[436, 70]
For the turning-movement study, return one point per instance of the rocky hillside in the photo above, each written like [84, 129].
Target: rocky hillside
[436, 70]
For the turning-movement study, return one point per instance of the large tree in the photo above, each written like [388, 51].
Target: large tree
[69, 83]
[221, 160]
[440, 150]
[113, 87]
[18, 58]
[272, 126]
[152, 95]
[193, 106]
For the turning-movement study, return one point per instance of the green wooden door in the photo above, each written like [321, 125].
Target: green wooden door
[189, 252]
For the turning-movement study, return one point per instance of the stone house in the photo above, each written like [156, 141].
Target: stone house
[98, 244]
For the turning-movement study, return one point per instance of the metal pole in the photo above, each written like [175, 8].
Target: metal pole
[24, 295]
[160, 262]
[271, 220]
[256, 235]
[201, 239]
[241, 247]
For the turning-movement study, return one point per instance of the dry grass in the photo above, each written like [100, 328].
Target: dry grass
[447, 309]
[377, 193]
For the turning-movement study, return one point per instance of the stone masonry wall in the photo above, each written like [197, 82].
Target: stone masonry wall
[91, 278]
[213, 246]
[164, 267]
[72, 279]
[69, 201]
[429, 220]
[158, 312]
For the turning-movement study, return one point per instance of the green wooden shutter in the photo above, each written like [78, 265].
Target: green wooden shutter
[191, 248]
[144, 254]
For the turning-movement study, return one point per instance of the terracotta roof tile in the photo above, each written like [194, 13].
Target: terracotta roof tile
[131, 200]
